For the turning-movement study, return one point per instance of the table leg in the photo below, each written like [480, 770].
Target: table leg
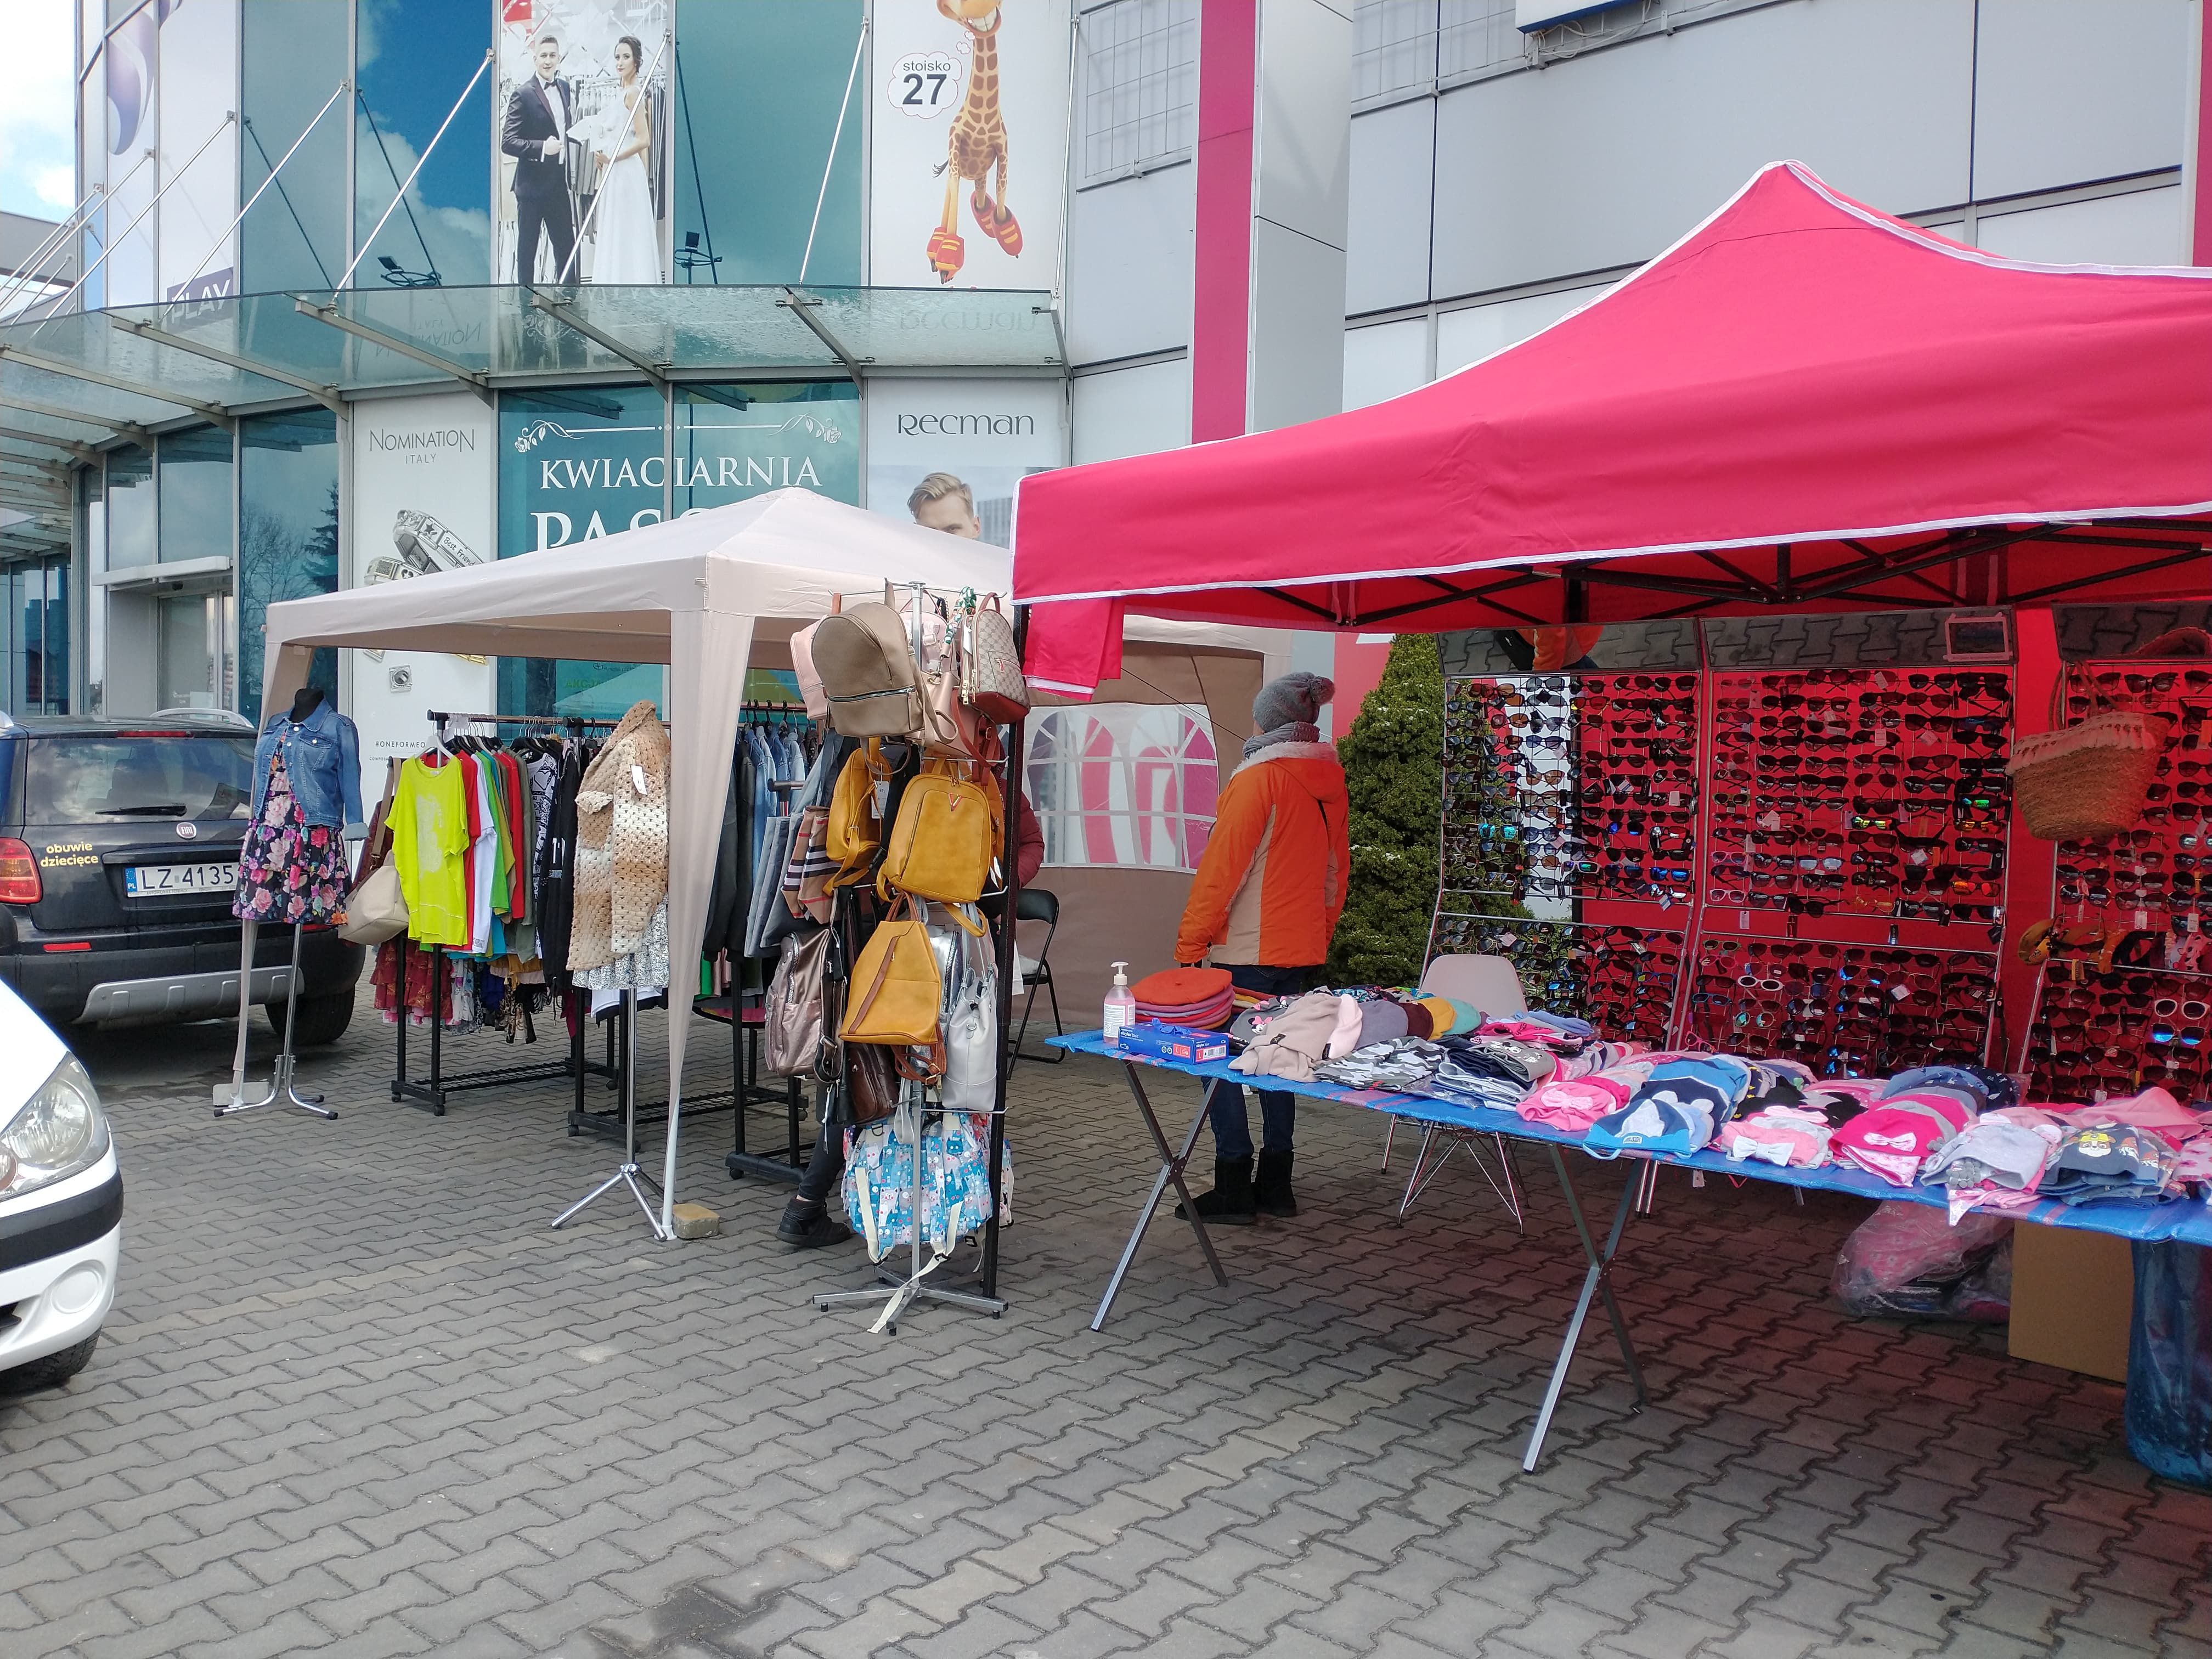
[1171, 1168]
[1596, 1283]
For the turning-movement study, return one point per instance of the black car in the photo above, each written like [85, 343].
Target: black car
[119, 850]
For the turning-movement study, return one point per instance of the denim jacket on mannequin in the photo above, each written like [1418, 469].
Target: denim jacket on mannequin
[322, 762]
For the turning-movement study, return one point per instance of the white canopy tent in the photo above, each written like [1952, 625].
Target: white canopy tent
[687, 593]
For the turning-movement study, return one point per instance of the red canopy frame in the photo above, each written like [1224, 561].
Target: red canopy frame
[1804, 404]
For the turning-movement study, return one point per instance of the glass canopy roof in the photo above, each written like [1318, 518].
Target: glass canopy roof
[72, 381]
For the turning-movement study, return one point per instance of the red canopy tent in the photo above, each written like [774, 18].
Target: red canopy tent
[1805, 404]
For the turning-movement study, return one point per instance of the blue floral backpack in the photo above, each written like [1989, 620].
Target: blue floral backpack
[956, 1191]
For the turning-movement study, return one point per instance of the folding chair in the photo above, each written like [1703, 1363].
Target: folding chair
[1035, 904]
[1491, 984]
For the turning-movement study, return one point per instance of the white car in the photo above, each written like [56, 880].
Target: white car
[61, 1205]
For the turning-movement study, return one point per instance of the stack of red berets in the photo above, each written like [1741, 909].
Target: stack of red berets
[1197, 997]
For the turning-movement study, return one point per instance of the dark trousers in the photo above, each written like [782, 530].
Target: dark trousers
[1225, 1101]
[828, 1162]
[551, 212]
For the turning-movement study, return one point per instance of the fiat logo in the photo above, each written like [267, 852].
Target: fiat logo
[188, 830]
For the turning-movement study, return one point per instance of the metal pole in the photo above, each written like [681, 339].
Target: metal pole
[829, 166]
[644, 83]
[228, 116]
[186, 286]
[419, 162]
[60, 233]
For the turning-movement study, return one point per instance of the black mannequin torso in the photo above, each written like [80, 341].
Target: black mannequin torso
[306, 701]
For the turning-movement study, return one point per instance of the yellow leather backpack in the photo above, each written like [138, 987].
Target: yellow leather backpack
[855, 829]
[944, 839]
[896, 991]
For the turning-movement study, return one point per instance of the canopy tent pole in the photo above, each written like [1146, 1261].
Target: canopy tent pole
[28, 271]
[174, 179]
[421, 161]
[829, 166]
[216, 246]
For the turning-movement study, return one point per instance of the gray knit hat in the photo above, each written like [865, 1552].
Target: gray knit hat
[1293, 699]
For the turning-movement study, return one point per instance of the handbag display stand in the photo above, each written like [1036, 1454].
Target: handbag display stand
[898, 1298]
[628, 1173]
[283, 1091]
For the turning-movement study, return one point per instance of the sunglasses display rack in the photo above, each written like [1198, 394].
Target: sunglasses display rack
[1842, 1008]
[2160, 867]
[1506, 798]
[1868, 792]
[1623, 980]
[1637, 787]
[2113, 1030]
[1567, 786]
[2116, 1031]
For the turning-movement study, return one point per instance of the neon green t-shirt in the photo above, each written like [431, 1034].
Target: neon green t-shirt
[430, 831]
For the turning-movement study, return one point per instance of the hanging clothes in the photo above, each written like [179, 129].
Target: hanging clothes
[430, 839]
[622, 843]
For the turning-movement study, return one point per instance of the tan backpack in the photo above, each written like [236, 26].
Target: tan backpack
[867, 670]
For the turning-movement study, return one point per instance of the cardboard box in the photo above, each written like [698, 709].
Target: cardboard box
[1173, 1042]
[2073, 1298]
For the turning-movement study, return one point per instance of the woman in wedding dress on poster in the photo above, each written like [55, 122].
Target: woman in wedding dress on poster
[625, 239]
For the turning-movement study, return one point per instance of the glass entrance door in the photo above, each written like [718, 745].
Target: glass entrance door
[197, 670]
[34, 633]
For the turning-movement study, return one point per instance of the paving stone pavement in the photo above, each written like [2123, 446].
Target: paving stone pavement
[355, 1399]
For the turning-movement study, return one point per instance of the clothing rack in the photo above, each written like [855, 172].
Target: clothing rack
[429, 1093]
[441, 719]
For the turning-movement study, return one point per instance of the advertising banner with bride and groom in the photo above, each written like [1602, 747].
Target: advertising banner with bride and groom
[581, 127]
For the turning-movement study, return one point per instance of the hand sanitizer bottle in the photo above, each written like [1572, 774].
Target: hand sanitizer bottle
[1121, 1008]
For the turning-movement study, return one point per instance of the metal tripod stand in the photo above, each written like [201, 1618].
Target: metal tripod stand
[629, 1173]
[282, 1089]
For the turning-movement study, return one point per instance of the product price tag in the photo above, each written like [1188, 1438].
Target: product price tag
[2142, 921]
[1673, 798]
[883, 797]
[637, 777]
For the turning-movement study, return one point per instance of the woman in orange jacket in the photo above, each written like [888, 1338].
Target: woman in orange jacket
[1264, 904]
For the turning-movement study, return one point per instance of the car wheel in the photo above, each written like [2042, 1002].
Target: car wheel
[49, 1370]
[317, 1020]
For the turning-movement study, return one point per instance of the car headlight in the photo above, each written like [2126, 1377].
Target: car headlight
[60, 1132]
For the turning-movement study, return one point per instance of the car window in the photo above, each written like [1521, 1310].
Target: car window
[101, 780]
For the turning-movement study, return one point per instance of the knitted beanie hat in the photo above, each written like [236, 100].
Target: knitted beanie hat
[1291, 700]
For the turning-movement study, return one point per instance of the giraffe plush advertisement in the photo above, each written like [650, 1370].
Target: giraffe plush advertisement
[969, 141]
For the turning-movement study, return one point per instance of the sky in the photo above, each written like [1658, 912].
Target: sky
[38, 175]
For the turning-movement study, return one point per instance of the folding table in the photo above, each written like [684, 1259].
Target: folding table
[2180, 1222]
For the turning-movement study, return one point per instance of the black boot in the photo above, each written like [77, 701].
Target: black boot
[807, 1226]
[1270, 1188]
[1230, 1203]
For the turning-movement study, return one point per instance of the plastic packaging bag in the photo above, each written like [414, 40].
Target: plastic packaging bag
[1906, 1258]
[2169, 1411]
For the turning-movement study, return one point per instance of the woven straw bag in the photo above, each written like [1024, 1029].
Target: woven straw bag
[2087, 781]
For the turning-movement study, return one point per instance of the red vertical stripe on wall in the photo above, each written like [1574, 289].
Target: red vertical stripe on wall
[2200, 252]
[1221, 288]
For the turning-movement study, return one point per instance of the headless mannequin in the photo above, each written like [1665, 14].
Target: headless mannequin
[305, 702]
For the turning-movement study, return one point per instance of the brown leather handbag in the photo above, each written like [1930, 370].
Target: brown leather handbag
[871, 1082]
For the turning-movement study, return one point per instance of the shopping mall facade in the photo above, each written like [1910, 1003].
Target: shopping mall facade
[844, 245]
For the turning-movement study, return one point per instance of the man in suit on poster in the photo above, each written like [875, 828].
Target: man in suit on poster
[536, 133]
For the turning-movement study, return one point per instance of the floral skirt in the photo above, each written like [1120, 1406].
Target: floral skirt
[289, 869]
